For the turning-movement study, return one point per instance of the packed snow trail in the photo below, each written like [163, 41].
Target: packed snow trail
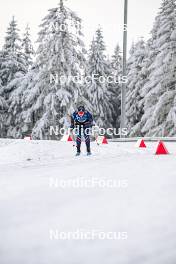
[31, 207]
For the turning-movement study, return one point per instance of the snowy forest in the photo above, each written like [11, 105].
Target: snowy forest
[31, 100]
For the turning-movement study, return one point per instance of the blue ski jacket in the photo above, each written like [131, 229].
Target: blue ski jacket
[85, 120]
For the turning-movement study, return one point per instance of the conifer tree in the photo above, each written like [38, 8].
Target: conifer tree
[115, 86]
[27, 47]
[98, 92]
[13, 67]
[136, 80]
[60, 59]
[3, 110]
[159, 91]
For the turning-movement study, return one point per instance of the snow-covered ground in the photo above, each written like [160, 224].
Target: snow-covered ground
[142, 205]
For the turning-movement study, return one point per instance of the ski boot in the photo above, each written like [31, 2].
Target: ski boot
[78, 151]
[88, 150]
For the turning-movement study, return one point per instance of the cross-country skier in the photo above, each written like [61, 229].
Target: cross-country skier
[82, 120]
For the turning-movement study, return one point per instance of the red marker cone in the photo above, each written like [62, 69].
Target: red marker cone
[101, 140]
[66, 138]
[141, 144]
[69, 139]
[28, 138]
[104, 141]
[161, 149]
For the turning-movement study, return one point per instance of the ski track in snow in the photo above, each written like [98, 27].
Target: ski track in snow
[30, 207]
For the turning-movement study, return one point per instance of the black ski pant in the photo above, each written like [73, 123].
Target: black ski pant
[82, 130]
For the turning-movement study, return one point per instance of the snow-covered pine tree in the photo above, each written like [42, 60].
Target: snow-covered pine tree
[136, 80]
[13, 67]
[18, 86]
[97, 88]
[159, 91]
[115, 86]
[3, 110]
[60, 57]
[27, 47]
[13, 61]
[144, 76]
[148, 65]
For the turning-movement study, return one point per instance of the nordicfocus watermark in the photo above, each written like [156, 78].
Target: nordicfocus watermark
[78, 79]
[111, 132]
[82, 234]
[82, 182]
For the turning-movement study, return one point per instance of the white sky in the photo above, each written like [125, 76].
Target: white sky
[107, 13]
